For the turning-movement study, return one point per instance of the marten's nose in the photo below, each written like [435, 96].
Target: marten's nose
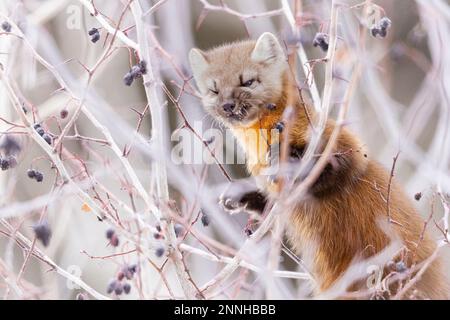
[228, 107]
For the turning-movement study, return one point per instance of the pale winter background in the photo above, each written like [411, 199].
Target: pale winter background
[74, 87]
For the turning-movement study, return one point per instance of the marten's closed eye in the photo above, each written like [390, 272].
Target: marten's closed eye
[248, 83]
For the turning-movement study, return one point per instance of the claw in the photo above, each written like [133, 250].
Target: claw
[232, 206]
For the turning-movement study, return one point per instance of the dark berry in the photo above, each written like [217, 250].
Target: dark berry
[110, 233]
[382, 32]
[92, 31]
[128, 79]
[6, 26]
[4, 164]
[143, 66]
[133, 268]
[248, 231]
[418, 196]
[157, 236]
[385, 23]
[95, 37]
[114, 241]
[47, 138]
[40, 131]
[159, 252]
[36, 126]
[178, 228]
[64, 113]
[118, 289]
[31, 173]
[38, 176]
[321, 40]
[43, 232]
[205, 219]
[111, 286]
[126, 288]
[158, 227]
[135, 71]
[374, 31]
[279, 126]
[120, 275]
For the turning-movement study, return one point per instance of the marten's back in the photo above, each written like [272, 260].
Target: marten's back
[352, 222]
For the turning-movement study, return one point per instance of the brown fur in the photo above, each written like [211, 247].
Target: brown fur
[340, 220]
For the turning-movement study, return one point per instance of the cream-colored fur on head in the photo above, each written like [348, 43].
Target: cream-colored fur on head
[221, 73]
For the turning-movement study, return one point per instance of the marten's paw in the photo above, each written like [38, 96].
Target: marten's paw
[236, 200]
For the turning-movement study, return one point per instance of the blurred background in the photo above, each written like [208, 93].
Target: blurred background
[401, 104]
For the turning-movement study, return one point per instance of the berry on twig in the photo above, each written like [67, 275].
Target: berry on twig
[6, 26]
[126, 288]
[418, 196]
[205, 219]
[43, 232]
[135, 72]
[159, 252]
[95, 35]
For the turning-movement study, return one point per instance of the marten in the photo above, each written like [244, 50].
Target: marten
[340, 218]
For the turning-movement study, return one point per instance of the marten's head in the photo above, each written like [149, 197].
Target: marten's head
[239, 80]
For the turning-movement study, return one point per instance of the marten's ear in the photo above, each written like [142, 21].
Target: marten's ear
[267, 49]
[198, 61]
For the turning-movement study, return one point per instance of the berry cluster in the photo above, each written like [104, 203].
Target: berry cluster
[321, 41]
[42, 133]
[119, 285]
[112, 237]
[36, 175]
[8, 162]
[127, 272]
[95, 35]
[135, 72]
[6, 26]
[43, 232]
[380, 28]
